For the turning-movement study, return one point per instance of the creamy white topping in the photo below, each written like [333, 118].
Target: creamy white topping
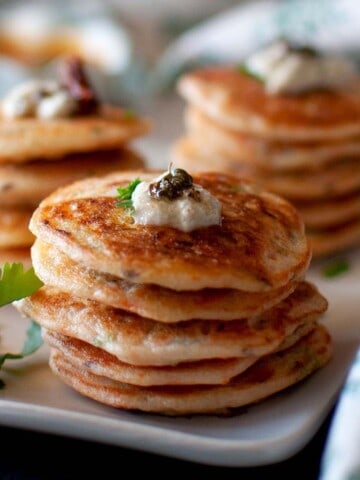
[289, 70]
[185, 213]
[41, 99]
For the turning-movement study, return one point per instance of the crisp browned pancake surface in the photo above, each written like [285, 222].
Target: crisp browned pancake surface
[269, 375]
[139, 341]
[240, 102]
[56, 269]
[259, 245]
[28, 183]
[25, 139]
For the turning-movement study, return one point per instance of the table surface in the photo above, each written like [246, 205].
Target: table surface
[28, 455]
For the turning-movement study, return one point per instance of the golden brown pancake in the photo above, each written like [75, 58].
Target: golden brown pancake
[28, 183]
[205, 372]
[99, 362]
[56, 269]
[268, 376]
[27, 139]
[139, 341]
[239, 102]
[263, 152]
[336, 179]
[187, 153]
[339, 178]
[260, 244]
[330, 212]
[336, 239]
[14, 230]
[17, 255]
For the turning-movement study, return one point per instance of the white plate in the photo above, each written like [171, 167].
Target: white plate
[262, 434]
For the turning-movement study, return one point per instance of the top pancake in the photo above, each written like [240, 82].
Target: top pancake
[238, 101]
[27, 139]
[260, 244]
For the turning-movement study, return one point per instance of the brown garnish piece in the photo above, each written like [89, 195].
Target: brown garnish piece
[73, 78]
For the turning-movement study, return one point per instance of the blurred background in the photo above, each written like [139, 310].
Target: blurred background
[136, 49]
[123, 42]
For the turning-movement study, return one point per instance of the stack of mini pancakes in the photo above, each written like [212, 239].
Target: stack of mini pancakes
[305, 147]
[151, 318]
[37, 156]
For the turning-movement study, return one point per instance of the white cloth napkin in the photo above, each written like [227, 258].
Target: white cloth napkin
[341, 458]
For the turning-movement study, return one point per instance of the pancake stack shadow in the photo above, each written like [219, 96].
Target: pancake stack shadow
[159, 320]
[39, 155]
[303, 147]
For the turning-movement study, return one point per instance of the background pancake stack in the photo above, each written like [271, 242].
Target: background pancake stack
[37, 156]
[155, 319]
[304, 147]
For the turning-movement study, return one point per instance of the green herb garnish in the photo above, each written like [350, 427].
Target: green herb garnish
[15, 283]
[336, 268]
[125, 194]
[242, 68]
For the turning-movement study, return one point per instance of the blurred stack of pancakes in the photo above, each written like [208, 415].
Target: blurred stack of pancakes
[39, 155]
[151, 318]
[305, 147]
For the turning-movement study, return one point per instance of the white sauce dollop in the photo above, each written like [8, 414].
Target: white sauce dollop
[285, 70]
[38, 98]
[183, 213]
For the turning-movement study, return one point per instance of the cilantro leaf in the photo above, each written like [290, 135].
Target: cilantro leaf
[336, 268]
[242, 68]
[33, 342]
[15, 283]
[125, 193]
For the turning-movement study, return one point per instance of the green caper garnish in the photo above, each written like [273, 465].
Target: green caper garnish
[171, 185]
